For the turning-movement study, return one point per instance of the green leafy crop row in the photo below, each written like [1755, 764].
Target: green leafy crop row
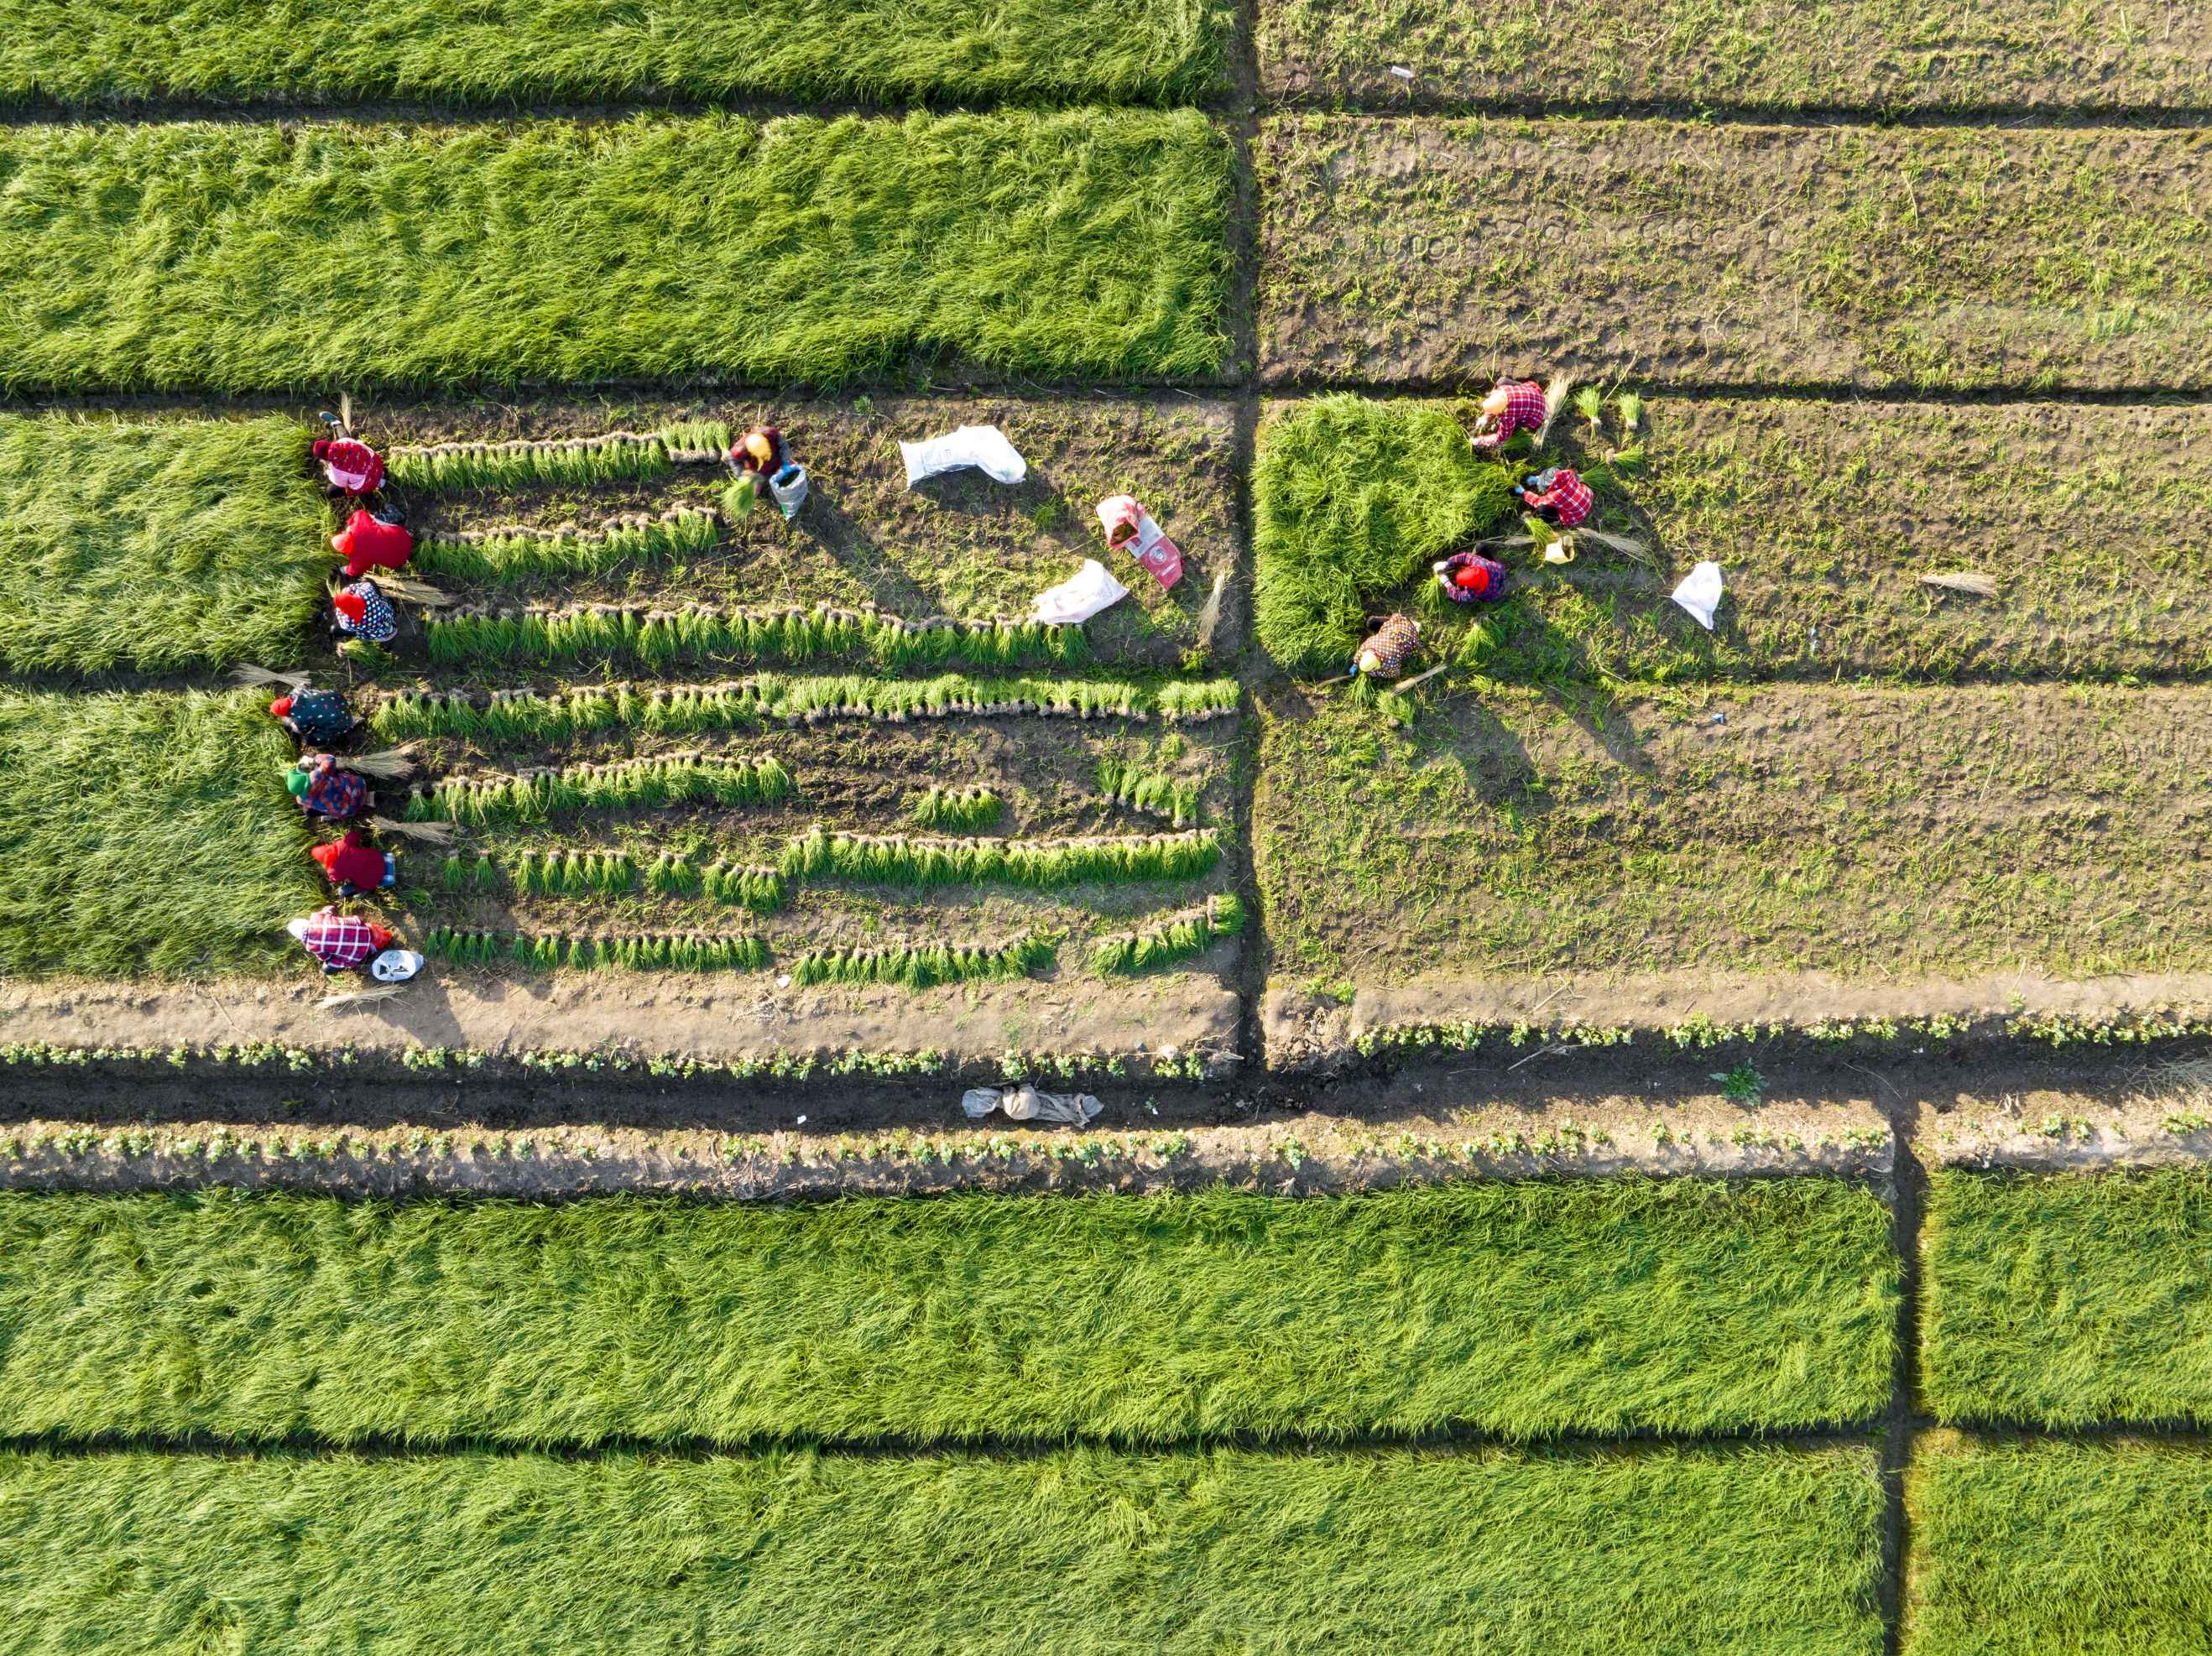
[1173, 940]
[956, 810]
[1154, 794]
[660, 952]
[517, 554]
[633, 785]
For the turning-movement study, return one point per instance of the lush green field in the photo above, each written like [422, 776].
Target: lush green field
[1758, 1552]
[2066, 1299]
[2027, 1549]
[1518, 1308]
[1866, 832]
[1882, 55]
[159, 546]
[146, 833]
[596, 51]
[258, 256]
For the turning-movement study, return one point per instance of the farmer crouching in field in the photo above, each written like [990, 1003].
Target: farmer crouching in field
[757, 457]
[345, 943]
[325, 790]
[368, 541]
[1470, 578]
[354, 866]
[1515, 405]
[348, 467]
[318, 717]
[1388, 648]
[363, 611]
[1558, 496]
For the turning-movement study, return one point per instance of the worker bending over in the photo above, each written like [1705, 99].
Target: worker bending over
[354, 865]
[1558, 496]
[1514, 405]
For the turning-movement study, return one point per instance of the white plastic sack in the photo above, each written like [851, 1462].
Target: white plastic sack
[1026, 1103]
[1081, 596]
[1701, 593]
[971, 445]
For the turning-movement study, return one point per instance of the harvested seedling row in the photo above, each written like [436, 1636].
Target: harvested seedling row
[705, 633]
[633, 784]
[657, 952]
[549, 715]
[1175, 939]
[1154, 794]
[574, 462]
[923, 966]
[956, 808]
[514, 553]
[576, 873]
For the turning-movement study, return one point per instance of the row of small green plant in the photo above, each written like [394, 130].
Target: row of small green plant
[1173, 941]
[631, 784]
[923, 966]
[657, 952]
[530, 716]
[519, 554]
[859, 859]
[956, 810]
[656, 638]
[1148, 792]
[615, 457]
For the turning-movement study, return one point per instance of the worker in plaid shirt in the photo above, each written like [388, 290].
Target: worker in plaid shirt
[1557, 496]
[342, 942]
[1515, 405]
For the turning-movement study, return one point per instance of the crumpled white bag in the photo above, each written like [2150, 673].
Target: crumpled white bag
[986, 447]
[1081, 596]
[1026, 1103]
[1701, 593]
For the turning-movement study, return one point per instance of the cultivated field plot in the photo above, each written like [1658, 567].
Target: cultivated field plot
[587, 50]
[1865, 55]
[1733, 256]
[1520, 1310]
[2069, 1300]
[146, 833]
[155, 546]
[1763, 1550]
[1864, 832]
[1824, 518]
[227, 258]
[2020, 1549]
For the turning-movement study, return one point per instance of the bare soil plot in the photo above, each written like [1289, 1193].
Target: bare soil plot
[1874, 834]
[1888, 55]
[1443, 252]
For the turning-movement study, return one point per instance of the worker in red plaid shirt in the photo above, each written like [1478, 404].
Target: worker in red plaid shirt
[1515, 405]
[1558, 496]
[342, 942]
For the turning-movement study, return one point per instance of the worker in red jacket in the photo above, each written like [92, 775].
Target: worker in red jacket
[350, 467]
[368, 541]
[354, 865]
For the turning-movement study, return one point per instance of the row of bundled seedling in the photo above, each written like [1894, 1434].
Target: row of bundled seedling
[1148, 792]
[956, 810]
[659, 952]
[923, 966]
[1173, 940]
[517, 553]
[614, 456]
[630, 785]
[819, 855]
[656, 637]
[530, 716]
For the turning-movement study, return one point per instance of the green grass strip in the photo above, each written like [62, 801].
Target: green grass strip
[895, 859]
[2027, 1549]
[631, 784]
[924, 966]
[665, 951]
[1172, 942]
[956, 810]
[1760, 1551]
[1523, 1308]
[584, 51]
[210, 256]
[671, 709]
[658, 637]
[514, 555]
[145, 833]
[2068, 1299]
[160, 546]
[1351, 501]
[1148, 792]
[611, 456]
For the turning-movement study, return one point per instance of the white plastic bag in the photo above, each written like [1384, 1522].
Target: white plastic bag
[1701, 593]
[971, 445]
[789, 487]
[1081, 596]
